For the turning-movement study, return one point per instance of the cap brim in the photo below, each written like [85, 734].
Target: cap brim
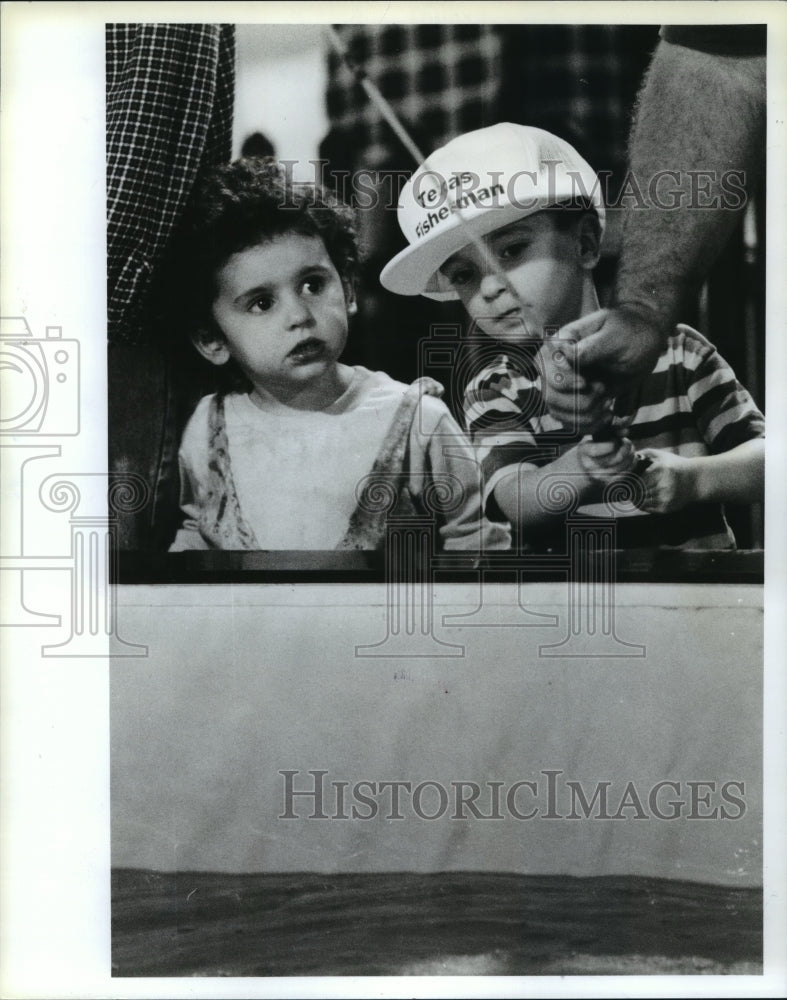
[413, 271]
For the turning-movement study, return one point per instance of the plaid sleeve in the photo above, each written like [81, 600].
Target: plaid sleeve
[724, 411]
[170, 91]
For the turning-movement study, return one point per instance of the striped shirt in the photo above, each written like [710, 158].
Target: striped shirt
[691, 405]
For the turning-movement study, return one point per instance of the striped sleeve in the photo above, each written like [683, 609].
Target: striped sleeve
[724, 411]
[691, 403]
[508, 425]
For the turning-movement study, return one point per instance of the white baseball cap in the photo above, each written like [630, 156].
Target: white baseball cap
[485, 180]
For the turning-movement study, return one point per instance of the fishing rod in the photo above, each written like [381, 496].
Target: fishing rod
[374, 94]
[372, 91]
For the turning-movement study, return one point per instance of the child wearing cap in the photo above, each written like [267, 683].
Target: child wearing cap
[307, 452]
[509, 220]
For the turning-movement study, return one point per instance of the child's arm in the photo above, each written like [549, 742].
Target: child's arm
[586, 468]
[673, 482]
[442, 463]
[188, 536]
[192, 456]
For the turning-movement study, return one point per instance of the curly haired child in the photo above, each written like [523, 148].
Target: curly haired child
[300, 454]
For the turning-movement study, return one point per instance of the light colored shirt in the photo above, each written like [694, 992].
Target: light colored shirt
[296, 472]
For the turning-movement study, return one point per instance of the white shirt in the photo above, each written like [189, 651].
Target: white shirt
[296, 471]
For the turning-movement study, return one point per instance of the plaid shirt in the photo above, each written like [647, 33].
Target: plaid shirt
[578, 81]
[170, 91]
[440, 79]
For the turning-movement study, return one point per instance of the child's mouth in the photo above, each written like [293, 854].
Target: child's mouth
[307, 350]
[512, 317]
[513, 313]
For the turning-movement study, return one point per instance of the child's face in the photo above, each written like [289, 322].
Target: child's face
[546, 267]
[282, 308]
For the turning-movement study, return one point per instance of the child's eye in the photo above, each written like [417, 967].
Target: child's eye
[513, 251]
[459, 277]
[261, 304]
[314, 284]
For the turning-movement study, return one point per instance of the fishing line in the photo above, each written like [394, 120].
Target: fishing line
[375, 96]
[372, 91]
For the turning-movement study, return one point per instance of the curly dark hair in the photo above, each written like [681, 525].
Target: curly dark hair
[249, 202]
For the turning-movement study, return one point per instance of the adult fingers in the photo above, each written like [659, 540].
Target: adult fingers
[584, 327]
[626, 344]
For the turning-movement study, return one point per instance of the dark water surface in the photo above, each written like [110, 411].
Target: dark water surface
[453, 923]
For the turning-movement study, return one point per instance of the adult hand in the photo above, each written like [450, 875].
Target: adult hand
[581, 404]
[588, 361]
[617, 345]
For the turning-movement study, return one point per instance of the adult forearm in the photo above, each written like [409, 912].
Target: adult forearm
[696, 145]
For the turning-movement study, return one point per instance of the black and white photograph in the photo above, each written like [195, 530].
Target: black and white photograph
[392, 583]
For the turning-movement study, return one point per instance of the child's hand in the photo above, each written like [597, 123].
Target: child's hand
[669, 481]
[601, 461]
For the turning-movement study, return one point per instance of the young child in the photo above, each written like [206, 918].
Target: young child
[519, 253]
[309, 453]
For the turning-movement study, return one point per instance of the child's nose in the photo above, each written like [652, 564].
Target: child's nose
[492, 285]
[298, 312]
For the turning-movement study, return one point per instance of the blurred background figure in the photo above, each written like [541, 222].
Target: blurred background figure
[257, 144]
